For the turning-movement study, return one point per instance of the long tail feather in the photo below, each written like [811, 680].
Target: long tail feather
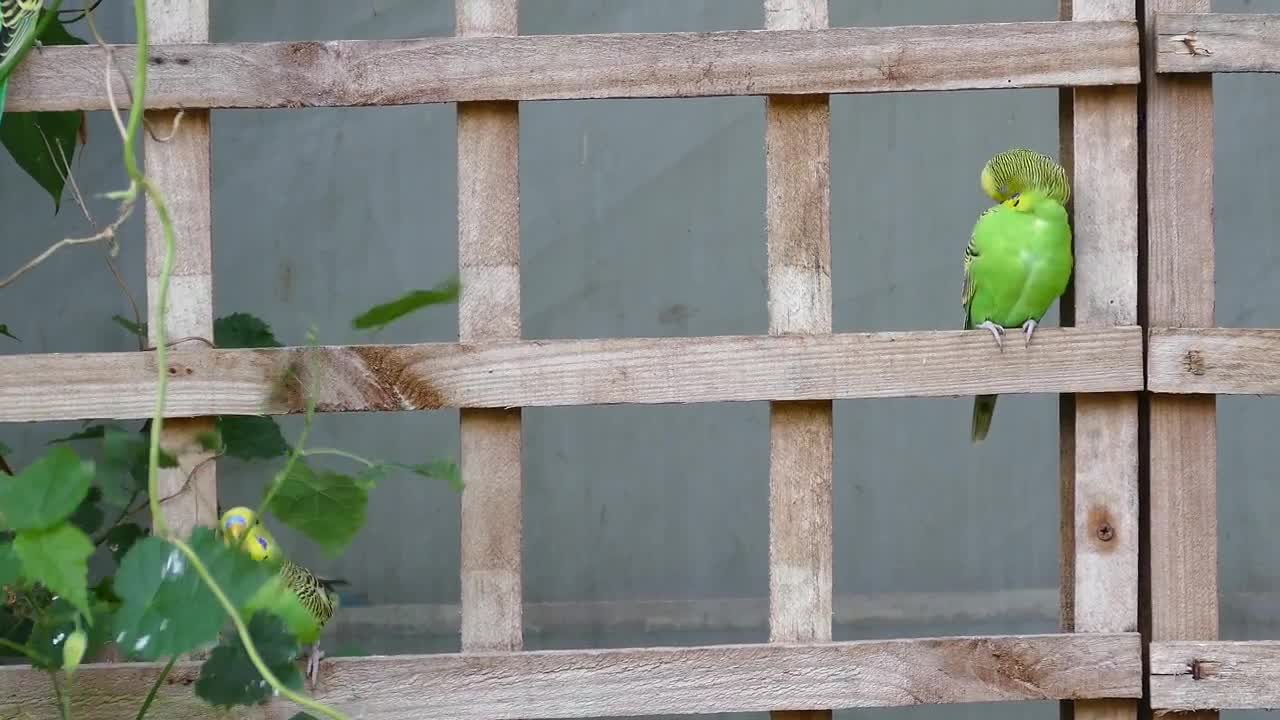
[984, 406]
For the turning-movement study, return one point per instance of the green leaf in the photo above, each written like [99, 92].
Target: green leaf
[33, 138]
[4, 330]
[228, 678]
[382, 315]
[88, 516]
[167, 608]
[5, 449]
[440, 469]
[58, 622]
[137, 329]
[325, 506]
[123, 470]
[58, 558]
[120, 539]
[242, 330]
[250, 437]
[90, 433]
[46, 491]
[10, 565]
[210, 440]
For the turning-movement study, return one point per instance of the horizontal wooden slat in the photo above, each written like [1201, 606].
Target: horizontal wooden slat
[1227, 675]
[544, 373]
[1217, 42]
[557, 67]
[1223, 361]
[645, 681]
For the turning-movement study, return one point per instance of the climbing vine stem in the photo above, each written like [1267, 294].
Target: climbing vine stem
[139, 182]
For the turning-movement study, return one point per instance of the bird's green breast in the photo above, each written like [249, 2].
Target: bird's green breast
[1023, 264]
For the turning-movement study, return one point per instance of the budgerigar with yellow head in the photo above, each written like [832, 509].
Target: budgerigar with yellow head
[240, 529]
[1019, 258]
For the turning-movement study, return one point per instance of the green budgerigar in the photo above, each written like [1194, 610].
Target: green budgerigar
[315, 594]
[18, 20]
[1019, 259]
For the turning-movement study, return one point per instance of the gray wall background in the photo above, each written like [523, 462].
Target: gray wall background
[646, 218]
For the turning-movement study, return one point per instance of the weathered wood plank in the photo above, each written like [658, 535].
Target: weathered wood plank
[642, 681]
[1103, 501]
[1182, 456]
[558, 67]
[1222, 361]
[1217, 42]
[1241, 675]
[489, 309]
[179, 168]
[547, 373]
[798, 223]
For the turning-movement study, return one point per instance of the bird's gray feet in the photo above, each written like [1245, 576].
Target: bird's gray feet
[997, 332]
[314, 656]
[1028, 329]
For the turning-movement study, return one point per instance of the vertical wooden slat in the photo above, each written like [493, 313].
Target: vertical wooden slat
[1182, 457]
[489, 309]
[798, 215]
[179, 168]
[1101, 548]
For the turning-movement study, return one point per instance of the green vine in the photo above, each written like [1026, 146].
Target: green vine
[50, 519]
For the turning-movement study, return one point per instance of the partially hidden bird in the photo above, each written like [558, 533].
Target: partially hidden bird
[240, 528]
[18, 19]
[1019, 257]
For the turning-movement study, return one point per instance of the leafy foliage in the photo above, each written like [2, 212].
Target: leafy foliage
[251, 437]
[46, 492]
[4, 330]
[380, 316]
[136, 328]
[167, 609]
[228, 678]
[326, 506]
[242, 330]
[44, 143]
[120, 539]
[58, 558]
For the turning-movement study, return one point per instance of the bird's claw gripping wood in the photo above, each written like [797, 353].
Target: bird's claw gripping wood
[314, 656]
[1028, 329]
[997, 332]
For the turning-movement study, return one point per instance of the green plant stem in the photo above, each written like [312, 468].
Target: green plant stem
[339, 453]
[155, 687]
[309, 411]
[158, 525]
[64, 697]
[249, 647]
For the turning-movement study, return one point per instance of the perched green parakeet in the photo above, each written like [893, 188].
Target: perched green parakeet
[313, 593]
[17, 35]
[1018, 260]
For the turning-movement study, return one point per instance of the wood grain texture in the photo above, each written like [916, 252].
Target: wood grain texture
[557, 67]
[179, 168]
[1104, 126]
[1183, 449]
[642, 681]
[1217, 42]
[1223, 361]
[798, 222]
[1240, 675]
[553, 373]
[1100, 549]
[489, 309]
